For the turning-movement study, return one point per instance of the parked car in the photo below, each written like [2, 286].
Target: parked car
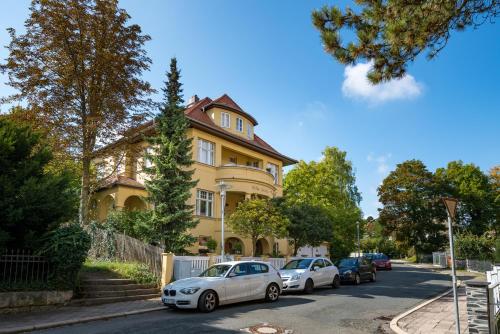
[382, 261]
[224, 283]
[307, 273]
[357, 270]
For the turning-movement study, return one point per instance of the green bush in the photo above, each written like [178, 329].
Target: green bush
[212, 244]
[473, 247]
[132, 223]
[497, 250]
[66, 249]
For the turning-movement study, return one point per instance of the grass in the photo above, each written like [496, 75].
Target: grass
[134, 271]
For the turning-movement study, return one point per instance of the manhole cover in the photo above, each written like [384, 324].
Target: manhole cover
[266, 328]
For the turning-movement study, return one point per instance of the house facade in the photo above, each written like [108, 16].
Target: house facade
[225, 149]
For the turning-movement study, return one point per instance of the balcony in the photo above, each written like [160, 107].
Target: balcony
[247, 179]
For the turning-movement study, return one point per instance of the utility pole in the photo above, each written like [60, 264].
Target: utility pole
[451, 206]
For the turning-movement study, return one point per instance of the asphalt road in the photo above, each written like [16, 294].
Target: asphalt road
[367, 308]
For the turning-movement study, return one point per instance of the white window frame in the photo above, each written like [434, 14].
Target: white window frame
[148, 163]
[206, 152]
[249, 131]
[239, 124]
[274, 170]
[207, 197]
[225, 120]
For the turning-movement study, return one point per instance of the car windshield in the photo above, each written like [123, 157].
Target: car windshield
[298, 264]
[218, 270]
[347, 262]
[370, 256]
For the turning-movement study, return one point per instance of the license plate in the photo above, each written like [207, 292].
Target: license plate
[169, 301]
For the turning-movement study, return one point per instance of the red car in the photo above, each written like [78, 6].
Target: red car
[382, 261]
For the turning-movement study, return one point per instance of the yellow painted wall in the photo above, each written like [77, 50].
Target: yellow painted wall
[245, 181]
[215, 115]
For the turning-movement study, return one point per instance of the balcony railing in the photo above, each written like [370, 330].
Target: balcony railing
[233, 171]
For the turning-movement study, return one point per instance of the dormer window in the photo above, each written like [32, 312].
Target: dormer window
[239, 124]
[249, 131]
[225, 120]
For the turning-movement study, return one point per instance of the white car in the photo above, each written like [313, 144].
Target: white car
[306, 273]
[224, 283]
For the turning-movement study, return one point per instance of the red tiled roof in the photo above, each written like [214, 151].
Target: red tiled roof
[199, 118]
[121, 181]
[228, 103]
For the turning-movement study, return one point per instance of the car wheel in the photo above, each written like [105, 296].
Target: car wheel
[373, 278]
[336, 282]
[208, 301]
[272, 292]
[357, 279]
[309, 286]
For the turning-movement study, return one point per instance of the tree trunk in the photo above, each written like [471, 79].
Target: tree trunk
[295, 248]
[254, 246]
[85, 191]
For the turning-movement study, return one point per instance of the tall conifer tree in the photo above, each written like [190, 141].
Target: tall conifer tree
[171, 175]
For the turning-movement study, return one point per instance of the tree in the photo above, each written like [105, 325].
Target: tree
[79, 67]
[308, 226]
[394, 33]
[258, 218]
[171, 177]
[33, 201]
[331, 185]
[412, 208]
[474, 192]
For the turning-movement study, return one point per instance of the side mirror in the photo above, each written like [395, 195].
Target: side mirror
[231, 274]
[315, 268]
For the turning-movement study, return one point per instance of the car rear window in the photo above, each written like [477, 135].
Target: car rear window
[258, 268]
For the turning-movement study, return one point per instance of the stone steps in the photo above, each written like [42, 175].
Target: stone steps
[119, 293]
[116, 287]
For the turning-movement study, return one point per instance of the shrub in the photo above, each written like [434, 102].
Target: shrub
[132, 223]
[212, 244]
[138, 272]
[66, 249]
[473, 247]
[497, 251]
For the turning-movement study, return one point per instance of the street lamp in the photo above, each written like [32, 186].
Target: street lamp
[223, 187]
[451, 207]
[359, 245]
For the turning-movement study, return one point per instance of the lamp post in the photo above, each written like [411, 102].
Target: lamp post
[359, 245]
[451, 206]
[223, 187]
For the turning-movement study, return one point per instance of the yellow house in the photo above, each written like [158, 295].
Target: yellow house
[225, 148]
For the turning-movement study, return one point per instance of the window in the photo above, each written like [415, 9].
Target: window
[204, 203]
[318, 263]
[249, 131]
[240, 269]
[233, 160]
[225, 120]
[206, 152]
[273, 169]
[239, 124]
[148, 162]
[258, 268]
[328, 263]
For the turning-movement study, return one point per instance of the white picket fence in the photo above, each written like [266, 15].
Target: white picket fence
[493, 276]
[190, 266]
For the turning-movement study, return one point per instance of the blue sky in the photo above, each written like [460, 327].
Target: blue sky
[269, 58]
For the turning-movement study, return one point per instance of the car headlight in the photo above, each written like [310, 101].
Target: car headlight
[348, 272]
[296, 277]
[189, 291]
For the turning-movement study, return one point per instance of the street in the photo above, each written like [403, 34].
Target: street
[367, 308]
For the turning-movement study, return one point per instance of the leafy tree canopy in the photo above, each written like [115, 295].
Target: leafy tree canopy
[475, 193]
[394, 32]
[258, 218]
[32, 201]
[331, 185]
[412, 208]
[79, 67]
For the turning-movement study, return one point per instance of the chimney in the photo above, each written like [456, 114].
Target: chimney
[192, 100]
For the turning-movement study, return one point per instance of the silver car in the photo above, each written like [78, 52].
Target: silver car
[306, 273]
[224, 283]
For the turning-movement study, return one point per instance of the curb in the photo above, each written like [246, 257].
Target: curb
[77, 321]
[394, 322]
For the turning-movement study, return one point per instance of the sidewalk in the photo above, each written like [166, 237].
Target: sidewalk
[437, 317]
[66, 315]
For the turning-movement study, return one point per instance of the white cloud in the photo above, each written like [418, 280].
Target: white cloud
[381, 161]
[356, 85]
